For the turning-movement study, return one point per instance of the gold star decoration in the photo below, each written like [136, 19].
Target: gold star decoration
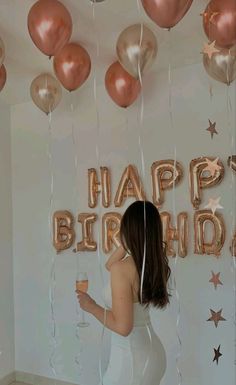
[212, 166]
[214, 204]
[218, 354]
[210, 49]
[215, 279]
[212, 128]
[216, 317]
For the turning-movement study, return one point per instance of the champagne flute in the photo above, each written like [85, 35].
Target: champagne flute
[82, 285]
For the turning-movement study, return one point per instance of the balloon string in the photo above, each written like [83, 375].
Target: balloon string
[98, 165]
[127, 145]
[232, 140]
[172, 126]
[140, 125]
[52, 285]
[75, 146]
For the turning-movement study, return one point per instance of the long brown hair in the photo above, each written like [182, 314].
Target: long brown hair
[141, 216]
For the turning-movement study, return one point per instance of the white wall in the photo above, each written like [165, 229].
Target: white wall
[118, 145]
[6, 264]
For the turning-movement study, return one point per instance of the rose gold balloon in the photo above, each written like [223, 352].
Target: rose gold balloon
[130, 185]
[201, 218]
[121, 86]
[222, 65]
[165, 173]
[219, 21]
[110, 231]
[72, 66]
[198, 180]
[87, 244]
[95, 187]
[166, 13]
[49, 25]
[3, 77]
[136, 49]
[2, 52]
[232, 162]
[179, 234]
[63, 230]
[46, 92]
[233, 246]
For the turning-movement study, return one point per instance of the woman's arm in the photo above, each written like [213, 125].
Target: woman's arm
[120, 318]
[115, 257]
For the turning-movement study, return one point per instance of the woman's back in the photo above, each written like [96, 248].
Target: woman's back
[138, 358]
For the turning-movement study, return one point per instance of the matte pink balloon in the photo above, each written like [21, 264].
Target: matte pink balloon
[219, 21]
[121, 86]
[3, 77]
[166, 13]
[49, 25]
[72, 66]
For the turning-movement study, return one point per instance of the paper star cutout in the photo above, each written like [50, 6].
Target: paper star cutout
[212, 128]
[210, 49]
[213, 204]
[217, 354]
[212, 166]
[215, 279]
[216, 317]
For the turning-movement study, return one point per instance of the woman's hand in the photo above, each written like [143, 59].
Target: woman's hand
[85, 301]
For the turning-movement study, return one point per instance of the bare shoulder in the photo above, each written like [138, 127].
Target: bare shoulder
[125, 268]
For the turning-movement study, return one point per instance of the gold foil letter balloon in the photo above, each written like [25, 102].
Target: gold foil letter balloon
[130, 186]
[87, 244]
[111, 230]
[232, 162]
[95, 187]
[63, 231]
[204, 173]
[3, 77]
[233, 246]
[2, 52]
[164, 174]
[179, 234]
[46, 92]
[201, 218]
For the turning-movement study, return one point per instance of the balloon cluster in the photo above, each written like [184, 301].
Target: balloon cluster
[219, 23]
[3, 72]
[50, 27]
[136, 50]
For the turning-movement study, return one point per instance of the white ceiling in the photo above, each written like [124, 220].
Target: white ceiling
[24, 61]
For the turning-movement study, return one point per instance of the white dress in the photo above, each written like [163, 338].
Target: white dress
[139, 358]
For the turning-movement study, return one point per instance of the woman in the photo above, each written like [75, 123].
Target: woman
[137, 355]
